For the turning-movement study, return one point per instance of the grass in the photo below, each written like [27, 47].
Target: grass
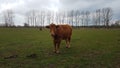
[90, 48]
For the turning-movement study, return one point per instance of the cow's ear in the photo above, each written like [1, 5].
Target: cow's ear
[57, 26]
[47, 26]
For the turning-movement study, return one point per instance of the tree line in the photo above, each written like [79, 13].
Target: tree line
[76, 18]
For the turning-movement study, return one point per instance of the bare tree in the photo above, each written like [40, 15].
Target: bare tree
[107, 16]
[32, 18]
[78, 18]
[48, 17]
[94, 21]
[27, 19]
[75, 18]
[98, 12]
[87, 18]
[71, 17]
[63, 17]
[82, 18]
[60, 17]
[97, 17]
[57, 18]
[9, 17]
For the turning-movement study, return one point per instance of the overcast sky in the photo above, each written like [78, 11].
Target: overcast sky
[22, 6]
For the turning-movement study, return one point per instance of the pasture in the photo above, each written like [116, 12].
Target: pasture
[31, 48]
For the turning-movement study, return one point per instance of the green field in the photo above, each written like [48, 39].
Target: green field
[90, 48]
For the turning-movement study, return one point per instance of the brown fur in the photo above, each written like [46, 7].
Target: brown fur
[60, 32]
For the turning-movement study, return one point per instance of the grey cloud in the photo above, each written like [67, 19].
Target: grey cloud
[87, 4]
[92, 5]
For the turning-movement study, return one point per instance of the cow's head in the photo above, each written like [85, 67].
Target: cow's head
[53, 29]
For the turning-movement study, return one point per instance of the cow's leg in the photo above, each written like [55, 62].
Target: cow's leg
[58, 46]
[68, 43]
[55, 46]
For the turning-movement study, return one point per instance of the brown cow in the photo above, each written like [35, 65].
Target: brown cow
[60, 32]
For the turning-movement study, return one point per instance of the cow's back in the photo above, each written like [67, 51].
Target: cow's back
[64, 31]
